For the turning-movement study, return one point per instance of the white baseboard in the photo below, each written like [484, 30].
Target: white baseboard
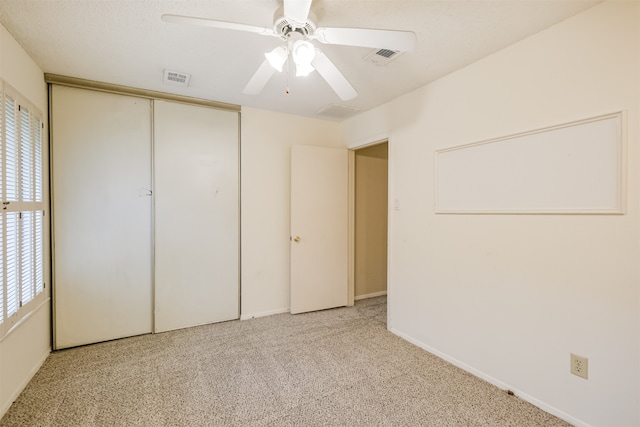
[545, 407]
[372, 295]
[23, 384]
[264, 313]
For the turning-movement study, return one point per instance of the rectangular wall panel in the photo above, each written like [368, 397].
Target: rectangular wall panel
[571, 168]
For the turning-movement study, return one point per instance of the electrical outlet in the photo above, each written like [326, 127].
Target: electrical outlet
[579, 366]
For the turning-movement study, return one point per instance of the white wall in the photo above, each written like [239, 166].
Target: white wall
[508, 297]
[25, 348]
[267, 138]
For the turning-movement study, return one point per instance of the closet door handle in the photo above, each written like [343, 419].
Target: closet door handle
[145, 192]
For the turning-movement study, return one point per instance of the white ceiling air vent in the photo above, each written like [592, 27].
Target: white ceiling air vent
[176, 78]
[337, 111]
[382, 56]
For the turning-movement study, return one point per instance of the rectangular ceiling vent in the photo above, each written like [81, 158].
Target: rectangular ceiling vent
[337, 111]
[382, 56]
[176, 78]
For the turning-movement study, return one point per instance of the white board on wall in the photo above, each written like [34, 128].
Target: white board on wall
[570, 168]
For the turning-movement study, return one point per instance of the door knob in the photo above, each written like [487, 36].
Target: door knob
[296, 239]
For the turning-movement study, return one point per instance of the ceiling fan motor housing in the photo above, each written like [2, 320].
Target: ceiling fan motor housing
[285, 29]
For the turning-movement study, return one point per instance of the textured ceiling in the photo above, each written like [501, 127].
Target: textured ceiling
[124, 42]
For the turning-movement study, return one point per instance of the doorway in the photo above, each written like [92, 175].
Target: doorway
[370, 221]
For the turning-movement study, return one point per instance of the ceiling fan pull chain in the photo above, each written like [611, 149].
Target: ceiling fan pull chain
[286, 90]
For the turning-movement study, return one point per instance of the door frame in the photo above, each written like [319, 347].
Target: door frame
[351, 280]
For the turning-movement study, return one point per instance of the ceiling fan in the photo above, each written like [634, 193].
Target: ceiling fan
[296, 28]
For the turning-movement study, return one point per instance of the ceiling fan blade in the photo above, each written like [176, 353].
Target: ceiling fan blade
[404, 41]
[297, 11]
[333, 76]
[259, 79]
[212, 23]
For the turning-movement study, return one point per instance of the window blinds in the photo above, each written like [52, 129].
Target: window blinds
[21, 222]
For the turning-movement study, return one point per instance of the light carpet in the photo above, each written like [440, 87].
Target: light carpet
[338, 367]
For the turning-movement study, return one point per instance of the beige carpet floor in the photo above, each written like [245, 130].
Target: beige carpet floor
[338, 367]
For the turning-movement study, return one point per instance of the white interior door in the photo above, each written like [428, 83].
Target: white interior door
[319, 222]
[196, 193]
[101, 177]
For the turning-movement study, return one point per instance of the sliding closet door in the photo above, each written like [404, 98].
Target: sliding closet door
[101, 177]
[196, 215]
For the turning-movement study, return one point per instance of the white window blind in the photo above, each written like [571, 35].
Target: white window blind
[13, 268]
[2, 251]
[27, 284]
[21, 219]
[10, 150]
[26, 156]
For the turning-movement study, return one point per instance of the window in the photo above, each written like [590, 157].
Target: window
[21, 218]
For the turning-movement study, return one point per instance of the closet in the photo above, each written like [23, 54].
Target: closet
[145, 215]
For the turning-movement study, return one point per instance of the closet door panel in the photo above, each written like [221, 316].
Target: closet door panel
[101, 178]
[196, 196]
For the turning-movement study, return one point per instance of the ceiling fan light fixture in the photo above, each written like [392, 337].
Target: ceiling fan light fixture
[303, 70]
[277, 57]
[303, 53]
